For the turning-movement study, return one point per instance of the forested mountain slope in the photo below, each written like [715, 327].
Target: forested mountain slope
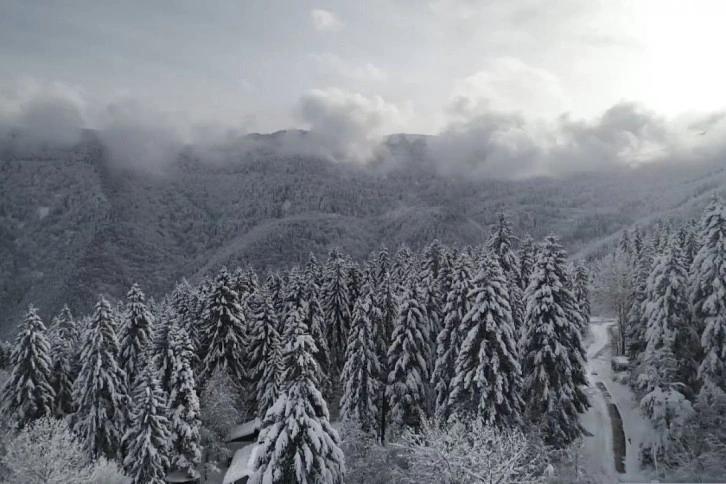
[73, 225]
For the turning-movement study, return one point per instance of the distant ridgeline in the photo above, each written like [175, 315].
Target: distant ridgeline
[74, 225]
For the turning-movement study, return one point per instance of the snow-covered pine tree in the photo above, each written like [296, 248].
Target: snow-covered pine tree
[5, 352]
[354, 280]
[314, 272]
[384, 318]
[451, 337]
[637, 242]
[182, 301]
[223, 332]
[487, 380]
[402, 265]
[552, 355]
[183, 408]
[527, 259]
[63, 340]
[99, 390]
[636, 322]
[361, 377]
[382, 265]
[313, 315]
[28, 394]
[581, 289]
[265, 351]
[297, 442]
[336, 304]
[667, 312]
[408, 375]
[147, 440]
[160, 354]
[62, 375]
[134, 334]
[708, 294]
[431, 296]
[276, 289]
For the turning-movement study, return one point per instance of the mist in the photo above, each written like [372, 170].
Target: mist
[350, 128]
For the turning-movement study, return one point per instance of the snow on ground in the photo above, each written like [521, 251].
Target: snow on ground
[597, 450]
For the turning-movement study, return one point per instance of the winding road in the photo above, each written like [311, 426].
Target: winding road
[610, 453]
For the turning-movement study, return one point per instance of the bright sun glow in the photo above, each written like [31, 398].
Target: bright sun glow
[684, 51]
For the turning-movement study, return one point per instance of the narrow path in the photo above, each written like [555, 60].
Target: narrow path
[614, 419]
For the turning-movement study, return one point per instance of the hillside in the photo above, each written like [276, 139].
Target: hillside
[72, 225]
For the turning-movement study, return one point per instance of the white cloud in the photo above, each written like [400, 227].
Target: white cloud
[348, 126]
[352, 70]
[325, 21]
[508, 84]
[46, 113]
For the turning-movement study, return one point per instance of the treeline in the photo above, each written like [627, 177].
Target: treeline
[668, 287]
[489, 334]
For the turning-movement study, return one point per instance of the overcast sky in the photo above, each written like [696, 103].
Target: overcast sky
[389, 65]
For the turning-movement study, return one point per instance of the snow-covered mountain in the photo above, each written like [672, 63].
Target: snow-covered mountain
[73, 224]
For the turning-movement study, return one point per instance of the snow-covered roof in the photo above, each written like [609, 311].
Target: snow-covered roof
[179, 477]
[243, 464]
[244, 431]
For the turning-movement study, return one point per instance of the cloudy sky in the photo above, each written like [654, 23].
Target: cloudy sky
[381, 66]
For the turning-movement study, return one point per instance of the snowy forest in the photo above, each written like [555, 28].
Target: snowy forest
[449, 365]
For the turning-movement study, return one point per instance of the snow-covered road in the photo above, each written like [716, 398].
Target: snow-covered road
[610, 400]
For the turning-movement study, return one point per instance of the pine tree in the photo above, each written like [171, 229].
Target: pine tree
[451, 337]
[552, 354]
[336, 305]
[408, 372]
[313, 315]
[384, 317]
[402, 264]
[265, 350]
[183, 302]
[581, 289]
[297, 442]
[431, 294]
[637, 324]
[160, 350]
[223, 332]
[135, 334]
[28, 394]
[99, 390]
[184, 413]
[63, 339]
[354, 281]
[146, 442]
[501, 244]
[361, 373]
[667, 311]
[527, 260]
[487, 381]
[708, 294]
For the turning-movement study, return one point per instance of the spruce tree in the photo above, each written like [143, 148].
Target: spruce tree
[223, 332]
[408, 371]
[28, 394]
[361, 372]
[384, 318]
[63, 339]
[336, 305]
[431, 294]
[667, 312]
[160, 350]
[297, 442]
[134, 334]
[147, 440]
[265, 351]
[452, 336]
[553, 357]
[99, 390]
[708, 294]
[581, 289]
[487, 380]
[637, 324]
[527, 260]
[183, 408]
